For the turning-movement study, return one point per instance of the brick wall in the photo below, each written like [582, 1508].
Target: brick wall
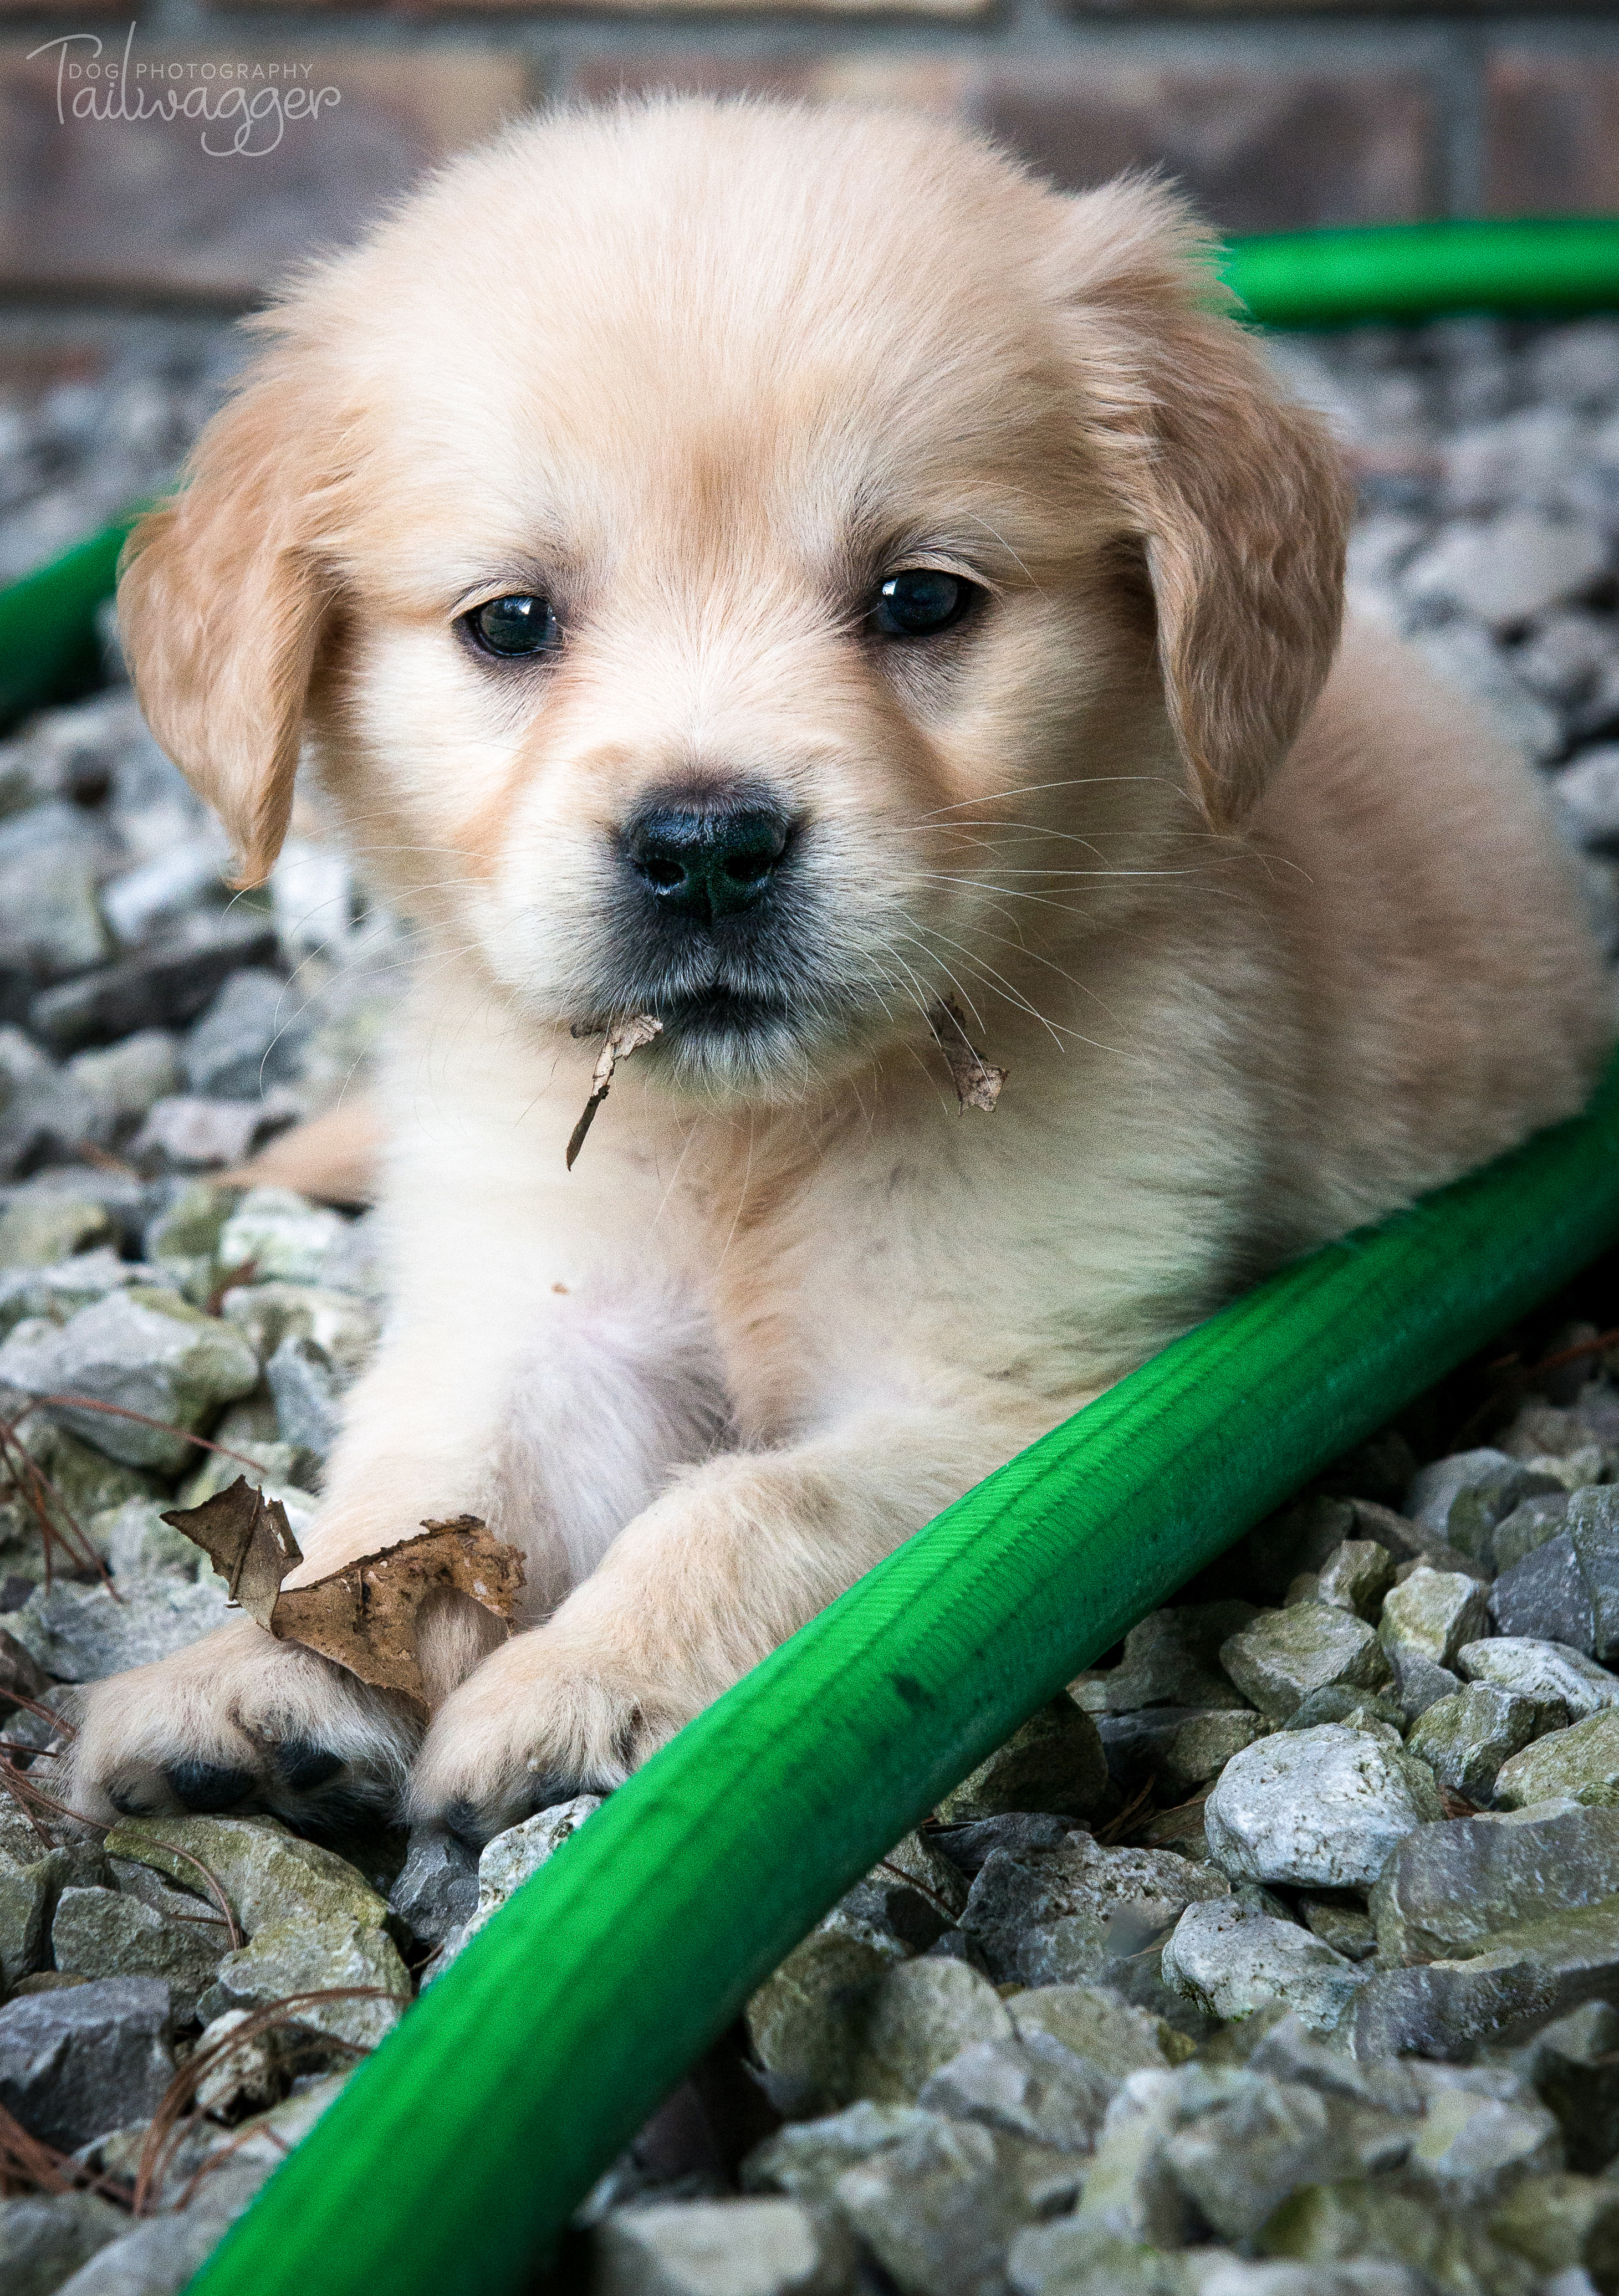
[1273, 117]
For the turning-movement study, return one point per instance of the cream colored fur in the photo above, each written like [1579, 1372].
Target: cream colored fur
[1267, 951]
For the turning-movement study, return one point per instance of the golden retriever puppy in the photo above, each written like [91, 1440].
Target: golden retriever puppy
[783, 573]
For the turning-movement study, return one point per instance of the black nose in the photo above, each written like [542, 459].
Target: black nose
[707, 862]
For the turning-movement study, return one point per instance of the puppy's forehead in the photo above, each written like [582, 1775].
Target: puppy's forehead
[808, 319]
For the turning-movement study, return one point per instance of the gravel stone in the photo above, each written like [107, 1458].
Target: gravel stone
[1342, 1923]
[1356, 1575]
[1033, 2087]
[939, 2209]
[1337, 1704]
[45, 2236]
[1527, 1974]
[1449, 1888]
[307, 1390]
[1509, 568]
[1527, 1526]
[1573, 2066]
[1567, 1589]
[1096, 2024]
[248, 1039]
[100, 1934]
[921, 2015]
[721, 2248]
[1173, 1658]
[1580, 1763]
[1053, 1764]
[88, 2058]
[1464, 1739]
[968, 1846]
[38, 1230]
[1548, 1673]
[284, 1237]
[266, 1314]
[1462, 1498]
[1358, 2224]
[806, 2158]
[299, 1955]
[184, 1134]
[1324, 1808]
[162, 986]
[269, 1876]
[1418, 1684]
[1432, 1614]
[80, 1634]
[1282, 1656]
[807, 2020]
[437, 1891]
[1232, 1962]
[1563, 2223]
[28, 1888]
[141, 1350]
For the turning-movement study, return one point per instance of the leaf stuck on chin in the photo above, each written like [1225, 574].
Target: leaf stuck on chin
[363, 1618]
[623, 1038]
[977, 1082]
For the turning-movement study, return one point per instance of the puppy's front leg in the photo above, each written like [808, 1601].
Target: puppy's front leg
[732, 1559]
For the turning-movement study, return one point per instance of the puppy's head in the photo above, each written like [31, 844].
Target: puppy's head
[765, 568]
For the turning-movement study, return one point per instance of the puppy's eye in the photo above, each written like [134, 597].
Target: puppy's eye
[920, 603]
[509, 626]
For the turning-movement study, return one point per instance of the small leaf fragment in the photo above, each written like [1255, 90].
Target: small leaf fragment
[623, 1038]
[364, 1616]
[977, 1082]
[249, 1540]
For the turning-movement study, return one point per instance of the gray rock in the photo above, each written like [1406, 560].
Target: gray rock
[162, 986]
[78, 2062]
[1337, 1704]
[1232, 1962]
[1587, 794]
[29, 1879]
[158, 893]
[1461, 1498]
[1464, 1739]
[806, 2158]
[1568, 1590]
[1525, 1976]
[1098, 2025]
[1324, 1808]
[721, 2248]
[100, 1934]
[316, 1956]
[1356, 1577]
[508, 1860]
[1033, 2087]
[185, 1232]
[1432, 1614]
[1449, 1888]
[1247, 2142]
[45, 2236]
[1282, 1656]
[1053, 1764]
[968, 1846]
[128, 1079]
[939, 2209]
[1275, 2278]
[284, 1237]
[1128, 2193]
[1566, 2227]
[59, 1292]
[1015, 1906]
[185, 1134]
[1071, 2258]
[808, 2020]
[1527, 1526]
[1573, 2066]
[269, 1874]
[437, 1891]
[1173, 1658]
[249, 1038]
[1579, 1764]
[159, 2256]
[923, 2014]
[1340, 1920]
[1509, 568]
[1335, 2226]
[141, 1349]
[49, 858]
[39, 1229]
[1484, 2127]
[309, 1389]
[82, 1634]
[267, 1314]
[1418, 1684]
[1550, 1674]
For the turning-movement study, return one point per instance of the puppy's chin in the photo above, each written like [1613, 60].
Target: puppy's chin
[740, 1045]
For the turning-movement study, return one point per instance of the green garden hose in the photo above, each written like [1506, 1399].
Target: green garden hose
[457, 2153]
[49, 651]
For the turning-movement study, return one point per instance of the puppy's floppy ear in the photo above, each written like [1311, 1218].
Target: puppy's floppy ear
[1237, 495]
[221, 599]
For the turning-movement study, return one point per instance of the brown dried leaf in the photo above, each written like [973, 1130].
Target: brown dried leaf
[976, 1081]
[250, 1540]
[364, 1616]
[623, 1038]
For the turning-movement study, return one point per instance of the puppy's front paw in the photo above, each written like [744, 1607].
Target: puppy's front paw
[553, 1713]
[239, 1722]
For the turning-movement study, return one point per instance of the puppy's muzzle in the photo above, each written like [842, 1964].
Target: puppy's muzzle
[701, 864]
